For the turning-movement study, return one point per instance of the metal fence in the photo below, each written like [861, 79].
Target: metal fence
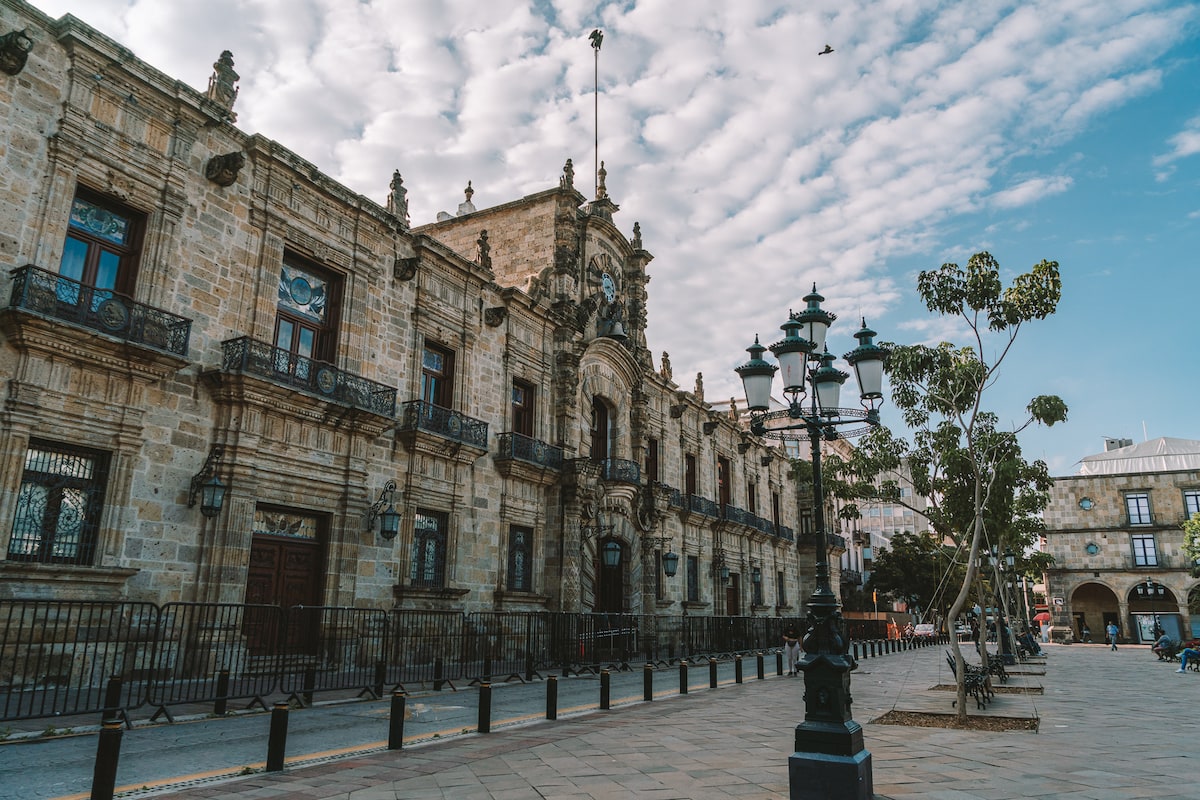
[63, 658]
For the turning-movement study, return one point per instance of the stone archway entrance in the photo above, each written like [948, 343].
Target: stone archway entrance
[1154, 613]
[1093, 605]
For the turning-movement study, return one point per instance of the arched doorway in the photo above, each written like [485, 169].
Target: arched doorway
[1153, 610]
[611, 556]
[1093, 605]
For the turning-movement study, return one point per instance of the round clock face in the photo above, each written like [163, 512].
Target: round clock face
[609, 286]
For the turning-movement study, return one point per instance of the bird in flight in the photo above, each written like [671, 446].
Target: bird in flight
[827, 49]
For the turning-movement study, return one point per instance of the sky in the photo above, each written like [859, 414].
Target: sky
[1066, 130]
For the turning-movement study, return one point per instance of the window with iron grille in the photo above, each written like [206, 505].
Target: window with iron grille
[1138, 506]
[520, 559]
[59, 504]
[429, 550]
[693, 579]
[1145, 554]
[689, 474]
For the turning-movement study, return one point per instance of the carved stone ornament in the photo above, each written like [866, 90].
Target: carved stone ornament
[14, 51]
[710, 426]
[405, 269]
[495, 316]
[221, 84]
[223, 169]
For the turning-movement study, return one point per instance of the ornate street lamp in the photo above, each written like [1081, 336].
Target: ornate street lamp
[830, 760]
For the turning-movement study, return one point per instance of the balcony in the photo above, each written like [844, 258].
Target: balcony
[852, 577]
[619, 470]
[419, 416]
[262, 360]
[786, 533]
[528, 458]
[739, 516]
[837, 541]
[99, 310]
[703, 506]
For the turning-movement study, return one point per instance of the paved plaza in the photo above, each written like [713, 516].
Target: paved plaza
[1111, 725]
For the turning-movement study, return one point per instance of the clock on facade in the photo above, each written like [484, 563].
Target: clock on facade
[609, 286]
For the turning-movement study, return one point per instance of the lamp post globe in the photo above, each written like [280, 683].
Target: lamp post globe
[830, 760]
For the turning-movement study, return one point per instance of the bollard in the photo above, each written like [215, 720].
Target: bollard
[552, 697]
[737, 669]
[438, 674]
[712, 673]
[112, 701]
[277, 739]
[222, 702]
[310, 683]
[778, 662]
[683, 679]
[108, 753]
[761, 674]
[605, 690]
[396, 722]
[485, 707]
[648, 683]
[380, 677]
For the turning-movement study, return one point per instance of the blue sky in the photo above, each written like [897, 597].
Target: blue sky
[1060, 129]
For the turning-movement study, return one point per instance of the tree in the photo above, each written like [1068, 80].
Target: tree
[911, 569]
[1191, 543]
[982, 491]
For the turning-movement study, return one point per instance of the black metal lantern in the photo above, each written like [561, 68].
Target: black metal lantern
[670, 563]
[389, 518]
[756, 575]
[212, 497]
[610, 554]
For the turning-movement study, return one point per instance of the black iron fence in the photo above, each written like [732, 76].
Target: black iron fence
[63, 658]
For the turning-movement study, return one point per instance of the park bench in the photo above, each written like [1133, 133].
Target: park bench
[977, 682]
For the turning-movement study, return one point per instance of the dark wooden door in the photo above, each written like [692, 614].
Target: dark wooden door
[284, 572]
[733, 592]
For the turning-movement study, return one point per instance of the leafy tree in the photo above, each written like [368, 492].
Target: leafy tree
[1191, 543]
[983, 492]
[911, 569]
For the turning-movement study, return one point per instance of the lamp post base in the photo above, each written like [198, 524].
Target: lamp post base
[817, 776]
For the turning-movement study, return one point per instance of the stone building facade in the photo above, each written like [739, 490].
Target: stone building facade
[190, 304]
[1114, 529]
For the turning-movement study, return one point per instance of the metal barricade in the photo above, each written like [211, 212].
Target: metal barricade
[57, 657]
[427, 647]
[330, 648]
[506, 645]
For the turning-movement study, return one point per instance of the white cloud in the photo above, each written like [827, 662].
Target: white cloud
[1031, 190]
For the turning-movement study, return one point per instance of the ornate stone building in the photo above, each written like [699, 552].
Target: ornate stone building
[463, 415]
[1114, 532]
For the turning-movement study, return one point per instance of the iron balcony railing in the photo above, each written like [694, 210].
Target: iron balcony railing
[421, 416]
[519, 447]
[852, 576]
[786, 533]
[837, 541]
[676, 497]
[702, 505]
[261, 359]
[739, 515]
[100, 310]
[620, 470]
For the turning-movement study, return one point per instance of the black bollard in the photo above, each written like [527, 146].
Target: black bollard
[683, 678]
[396, 722]
[108, 753]
[380, 677]
[277, 739]
[761, 674]
[222, 702]
[112, 701]
[485, 707]
[737, 669]
[552, 697]
[605, 690]
[712, 673]
[438, 674]
[310, 683]
[648, 683]
[778, 662]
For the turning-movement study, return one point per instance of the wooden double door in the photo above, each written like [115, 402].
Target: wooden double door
[285, 572]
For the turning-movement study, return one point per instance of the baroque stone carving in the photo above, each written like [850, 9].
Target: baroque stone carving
[405, 268]
[397, 199]
[221, 88]
[223, 169]
[14, 51]
[495, 316]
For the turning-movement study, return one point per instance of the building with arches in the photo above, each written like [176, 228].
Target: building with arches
[1115, 533]
[228, 378]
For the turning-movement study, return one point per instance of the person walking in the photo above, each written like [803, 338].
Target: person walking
[1111, 630]
[791, 648]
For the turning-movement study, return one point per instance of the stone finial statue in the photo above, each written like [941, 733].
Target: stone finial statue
[734, 414]
[567, 181]
[221, 89]
[397, 199]
[467, 207]
[601, 189]
[665, 368]
[469, 192]
[699, 392]
[637, 236]
[484, 258]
